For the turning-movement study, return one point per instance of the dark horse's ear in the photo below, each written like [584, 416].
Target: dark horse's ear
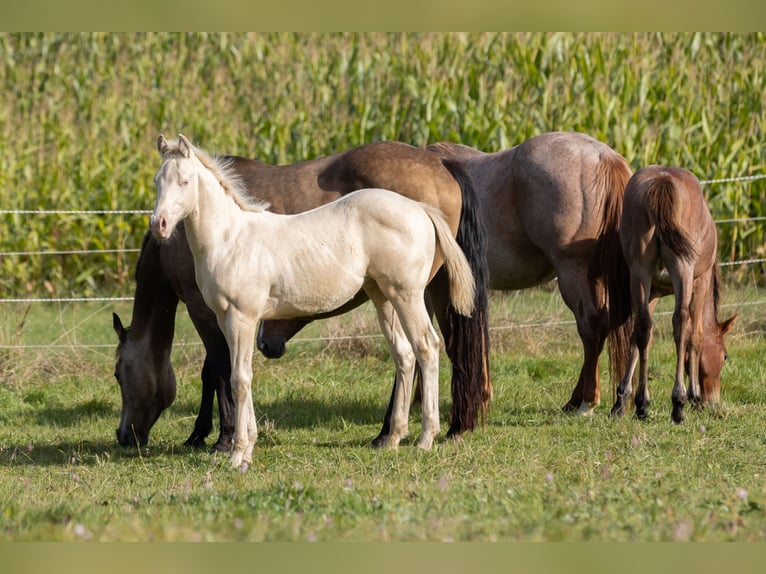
[184, 145]
[727, 325]
[162, 145]
[121, 331]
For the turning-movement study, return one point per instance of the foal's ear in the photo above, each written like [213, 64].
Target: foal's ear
[727, 325]
[184, 145]
[121, 331]
[162, 145]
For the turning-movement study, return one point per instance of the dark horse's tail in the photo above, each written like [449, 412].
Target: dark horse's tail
[612, 176]
[658, 199]
[467, 343]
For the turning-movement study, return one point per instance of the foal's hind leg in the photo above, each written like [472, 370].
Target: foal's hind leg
[396, 423]
[424, 341]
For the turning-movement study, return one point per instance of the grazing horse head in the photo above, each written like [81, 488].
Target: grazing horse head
[147, 384]
[713, 347]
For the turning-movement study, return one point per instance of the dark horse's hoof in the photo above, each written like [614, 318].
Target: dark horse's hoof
[195, 441]
[223, 444]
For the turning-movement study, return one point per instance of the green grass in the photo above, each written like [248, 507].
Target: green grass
[532, 473]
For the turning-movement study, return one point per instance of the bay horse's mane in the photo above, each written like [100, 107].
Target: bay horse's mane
[716, 288]
[221, 168]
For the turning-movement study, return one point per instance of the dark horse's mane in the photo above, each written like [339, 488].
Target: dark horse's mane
[144, 242]
[136, 271]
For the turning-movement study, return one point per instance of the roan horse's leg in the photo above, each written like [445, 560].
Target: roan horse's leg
[581, 297]
[240, 336]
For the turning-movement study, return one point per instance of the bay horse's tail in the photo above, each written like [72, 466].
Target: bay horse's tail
[468, 342]
[659, 200]
[612, 175]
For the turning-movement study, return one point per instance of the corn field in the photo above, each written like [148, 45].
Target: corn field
[79, 115]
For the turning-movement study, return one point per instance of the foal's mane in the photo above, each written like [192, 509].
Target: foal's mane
[230, 181]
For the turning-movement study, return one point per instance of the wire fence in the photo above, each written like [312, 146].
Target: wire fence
[101, 212]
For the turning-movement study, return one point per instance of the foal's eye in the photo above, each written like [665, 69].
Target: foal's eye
[183, 182]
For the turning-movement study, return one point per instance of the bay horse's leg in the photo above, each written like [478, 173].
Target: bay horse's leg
[682, 287]
[644, 343]
[240, 336]
[582, 298]
[699, 297]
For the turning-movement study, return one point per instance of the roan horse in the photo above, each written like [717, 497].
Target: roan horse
[551, 207]
[251, 264]
[670, 243]
[165, 274]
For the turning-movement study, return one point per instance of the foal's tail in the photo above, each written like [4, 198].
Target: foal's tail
[467, 340]
[612, 175]
[659, 196]
[462, 286]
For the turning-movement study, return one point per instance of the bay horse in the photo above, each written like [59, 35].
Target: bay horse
[164, 275]
[252, 264]
[551, 208]
[670, 243]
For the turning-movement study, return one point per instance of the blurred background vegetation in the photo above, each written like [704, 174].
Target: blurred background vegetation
[79, 115]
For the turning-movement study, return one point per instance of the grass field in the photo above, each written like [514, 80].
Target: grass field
[532, 473]
[79, 114]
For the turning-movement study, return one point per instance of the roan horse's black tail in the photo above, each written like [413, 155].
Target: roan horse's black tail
[467, 343]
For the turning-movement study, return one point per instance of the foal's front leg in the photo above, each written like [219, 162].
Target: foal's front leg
[240, 336]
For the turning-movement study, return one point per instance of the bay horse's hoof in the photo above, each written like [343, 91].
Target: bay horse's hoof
[586, 409]
[570, 407]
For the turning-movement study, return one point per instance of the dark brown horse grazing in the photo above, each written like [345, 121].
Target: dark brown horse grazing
[165, 273]
[551, 207]
[670, 243]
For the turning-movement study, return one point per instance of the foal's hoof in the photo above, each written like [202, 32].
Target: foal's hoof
[677, 416]
[426, 442]
[386, 441]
